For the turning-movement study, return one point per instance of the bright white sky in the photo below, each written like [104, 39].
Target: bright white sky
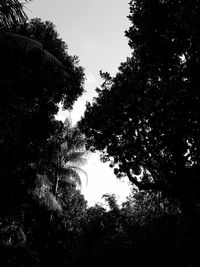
[94, 31]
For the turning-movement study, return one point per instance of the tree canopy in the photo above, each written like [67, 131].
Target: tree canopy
[150, 107]
[36, 75]
[145, 121]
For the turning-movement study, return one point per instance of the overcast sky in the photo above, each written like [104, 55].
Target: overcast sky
[94, 31]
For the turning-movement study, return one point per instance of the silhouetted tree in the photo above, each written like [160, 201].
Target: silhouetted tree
[36, 75]
[33, 82]
[45, 33]
[150, 107]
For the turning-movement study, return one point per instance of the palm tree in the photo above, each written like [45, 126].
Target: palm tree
[14, 49]
[62, 167]
[70, 157]
[11, 12]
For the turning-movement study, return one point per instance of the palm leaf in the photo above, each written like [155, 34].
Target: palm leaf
[43, 195]
[75, 176]
[73, 157]
[33, 52]
[11, 12]
[18, 43]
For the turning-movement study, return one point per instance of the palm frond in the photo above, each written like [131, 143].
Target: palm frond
[73, 157]
[11, 12]
[70, 175]
[76, 170]
[18, 43]
[48, 59]
[68, 157]
[32, 51]
[73, 140]
[44, 196]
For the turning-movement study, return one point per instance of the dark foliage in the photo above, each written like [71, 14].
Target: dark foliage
[45, 33]
[125, 237]
[151, 136]
[151, 106]
[34, 79]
